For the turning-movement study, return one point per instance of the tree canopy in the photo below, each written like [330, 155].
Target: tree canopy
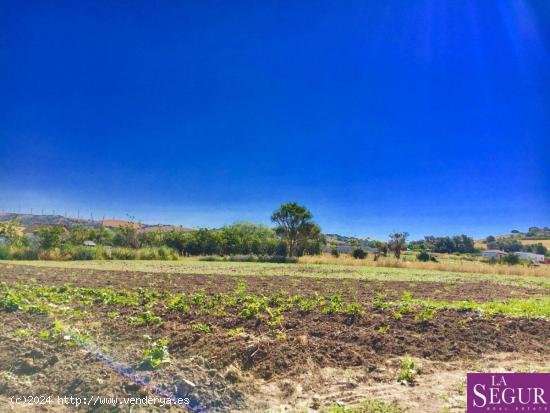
[295, 226]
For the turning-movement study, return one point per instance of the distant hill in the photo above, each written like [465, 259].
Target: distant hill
[31, 220]
[27, 220]
[533, 233]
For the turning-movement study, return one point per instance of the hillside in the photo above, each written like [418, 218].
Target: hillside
[27, 220]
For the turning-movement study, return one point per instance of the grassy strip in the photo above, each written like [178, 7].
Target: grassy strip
[532, 307]
[368, 406]
[194, 266]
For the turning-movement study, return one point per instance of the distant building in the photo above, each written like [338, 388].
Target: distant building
[530, 256]
[3, 240]
[89, 243]
[494, 253]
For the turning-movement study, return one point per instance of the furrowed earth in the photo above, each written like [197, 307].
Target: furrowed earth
[262, 337]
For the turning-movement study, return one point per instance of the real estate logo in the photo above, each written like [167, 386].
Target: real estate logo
[508, 392]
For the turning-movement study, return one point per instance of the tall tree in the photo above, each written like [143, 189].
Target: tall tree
[397, 241]
[294, 225]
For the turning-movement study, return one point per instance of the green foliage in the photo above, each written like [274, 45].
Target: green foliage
[9, 303]
[353, 309]
[22, 333]
[425, 315]
[334, 250]
[368, 406]
[295, 226]
[458, 243]
[156, 353]
[359, 253]
[50, 237]
[201, 328]
[5, 252]
[128, 236]
[10, 232]
[124, 254]
[83, 253]
[397, 242]
[383, 329]
[331, 304]
[510, 259]
[423, 256]
[237, 331]
[147, 318]
[408, 372]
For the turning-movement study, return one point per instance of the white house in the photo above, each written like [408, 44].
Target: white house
[494, 253]
[89, 243]
[530, 256]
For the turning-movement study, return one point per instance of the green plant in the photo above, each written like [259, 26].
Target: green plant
[380, 303]
[359, 253]
[22, 333]
[306, 305]
[383, 329]
[510, 259]
[178, 303]
[156, 353]
[201, 327]
[147, 318]
[425, 315]
[237, 331]
[9, 303]
[83, 253]
[408, 372]
[353, 309]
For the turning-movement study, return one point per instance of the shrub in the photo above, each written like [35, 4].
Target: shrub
[510, 259]
[359, 253]
[24, 254]
[124, 254]
[83, 253]
[244, 258]
[334, 251]
[278, 259]
[54, 254]
[148, 254]
[4, 252]
[102, 253]
[423, 256]
[166, 253]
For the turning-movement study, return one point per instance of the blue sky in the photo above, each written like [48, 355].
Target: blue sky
[431, 117]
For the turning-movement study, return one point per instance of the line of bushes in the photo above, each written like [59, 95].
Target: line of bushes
[78, 253]
[252, 258]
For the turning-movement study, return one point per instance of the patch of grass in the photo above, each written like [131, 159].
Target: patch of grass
[516, 307]
[22, 333]
[368, 406]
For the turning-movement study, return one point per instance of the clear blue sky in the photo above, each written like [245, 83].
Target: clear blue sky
[427, 116]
